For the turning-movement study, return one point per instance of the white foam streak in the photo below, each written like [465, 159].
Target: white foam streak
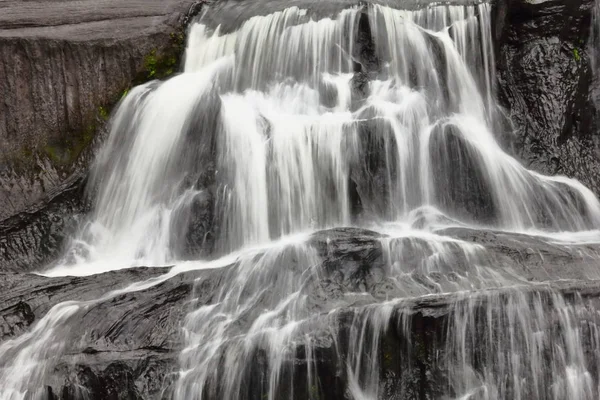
[284, 155]
[139, 177]
[278, 46]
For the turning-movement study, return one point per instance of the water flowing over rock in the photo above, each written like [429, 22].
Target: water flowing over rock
[321, 205]
[63, 66]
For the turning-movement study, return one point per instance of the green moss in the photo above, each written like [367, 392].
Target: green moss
[53, 153]
[26, 152]
[157, 64]
[576, 54]
[103, 113]
[150, 62]
[387, 360]
[65, 152]
[313, 392]
[162, 64]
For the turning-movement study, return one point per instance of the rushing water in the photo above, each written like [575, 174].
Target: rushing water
[373, 117]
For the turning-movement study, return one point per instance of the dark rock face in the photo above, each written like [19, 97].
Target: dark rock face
[130, 340]
[65, 65]
[30, 239]
[62, 69]
[545, 81]
[127, 345]
[464, 189]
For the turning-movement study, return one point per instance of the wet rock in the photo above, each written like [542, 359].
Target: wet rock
[127, 345]
[460, 182]
[30, 238]
[124, 347]
[545, 81]
[371, 172]
[62, 69]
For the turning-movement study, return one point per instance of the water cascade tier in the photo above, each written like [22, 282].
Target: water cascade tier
[332, 188]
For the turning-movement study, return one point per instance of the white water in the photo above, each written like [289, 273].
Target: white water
[298, 140]
[291, 136]
[141, 176]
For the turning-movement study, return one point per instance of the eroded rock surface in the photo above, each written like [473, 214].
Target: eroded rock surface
[62, 68]
[127, 345]
[545, 80]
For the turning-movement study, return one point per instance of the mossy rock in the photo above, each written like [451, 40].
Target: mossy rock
[64, 152]
[162, 64]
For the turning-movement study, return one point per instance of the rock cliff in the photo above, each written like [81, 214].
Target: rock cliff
[544, 55]
[62, 69]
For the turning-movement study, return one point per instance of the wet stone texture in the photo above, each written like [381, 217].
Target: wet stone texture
[127, 347]
[62, 70]
[546, 83]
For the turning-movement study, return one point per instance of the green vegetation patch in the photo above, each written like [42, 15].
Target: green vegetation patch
[162, 64]
[64, 152]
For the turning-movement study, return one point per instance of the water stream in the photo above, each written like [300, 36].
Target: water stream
[372, 117]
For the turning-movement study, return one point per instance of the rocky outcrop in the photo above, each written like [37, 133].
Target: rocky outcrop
[545, 81]
[126, 344]
[32, 237]
[135, 333]
[62, 69]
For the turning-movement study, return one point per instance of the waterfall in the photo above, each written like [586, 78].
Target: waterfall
[143, 173]
[371, 117]
[308, 120]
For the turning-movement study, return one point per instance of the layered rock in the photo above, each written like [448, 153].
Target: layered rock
[62, 69]
[127, 344]
[545, 81]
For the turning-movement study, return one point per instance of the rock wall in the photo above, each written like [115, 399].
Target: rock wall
[62, 69]
[545, 82]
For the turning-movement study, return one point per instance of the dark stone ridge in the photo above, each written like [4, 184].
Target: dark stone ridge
[63, 66]
[545, 81]
[127, 346]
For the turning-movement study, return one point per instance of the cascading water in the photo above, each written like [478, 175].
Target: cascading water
[373, 117]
